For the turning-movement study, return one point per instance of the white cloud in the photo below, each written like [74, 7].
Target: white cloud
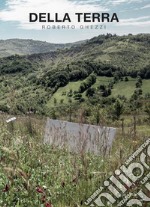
[18, 10]
[139, 24]
[117, 2]
[140, 21]
[146, 6]
[135, 19]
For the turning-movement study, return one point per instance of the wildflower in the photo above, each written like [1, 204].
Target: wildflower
[6, 189]
[134, 141]
[48, 205]
[39, 190]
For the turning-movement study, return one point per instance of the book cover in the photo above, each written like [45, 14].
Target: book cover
[74, 103]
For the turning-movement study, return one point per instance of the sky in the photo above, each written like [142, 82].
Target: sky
[134, 17]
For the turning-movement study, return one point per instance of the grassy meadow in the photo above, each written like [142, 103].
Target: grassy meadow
[33, 174]
[120, 88]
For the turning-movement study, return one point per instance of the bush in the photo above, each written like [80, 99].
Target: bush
[90, 92]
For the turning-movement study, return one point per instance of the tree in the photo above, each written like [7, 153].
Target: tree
[126, 79]
[90, 92]
[139, 82]
[116, 78]
[91, 79]
[77, 96]
[118, 109]
[102, 87]
[61, 101]
[82, 87]
[109, 91]
[53, 113]
[139, 79]
[140, 92]
[147, 109]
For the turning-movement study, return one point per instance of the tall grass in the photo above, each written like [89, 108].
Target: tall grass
[33, 174]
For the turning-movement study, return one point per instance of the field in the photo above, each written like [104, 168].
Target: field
[121, 88]
[33, 174]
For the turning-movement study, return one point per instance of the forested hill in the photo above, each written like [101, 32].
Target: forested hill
[36, 77]
[28, 46]
[130, 52]
[105, 55]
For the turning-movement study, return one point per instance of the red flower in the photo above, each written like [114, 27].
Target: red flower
[48, 205]
[39, 190]
[6, 189]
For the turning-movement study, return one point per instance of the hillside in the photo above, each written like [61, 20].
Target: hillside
[127, 52]
[105, 82]
[26, 47]
[122, 60]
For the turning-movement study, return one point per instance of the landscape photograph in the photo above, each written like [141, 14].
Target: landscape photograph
[74, 106]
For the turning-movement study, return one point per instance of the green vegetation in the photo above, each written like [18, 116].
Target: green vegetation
[27, 47]
[33, 174]
[103, 81]
[122, 88]
[63, 93]
[127, 88]
[72, 76]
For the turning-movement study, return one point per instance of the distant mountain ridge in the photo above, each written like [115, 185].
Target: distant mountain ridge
[28, 46]
[128, 52]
